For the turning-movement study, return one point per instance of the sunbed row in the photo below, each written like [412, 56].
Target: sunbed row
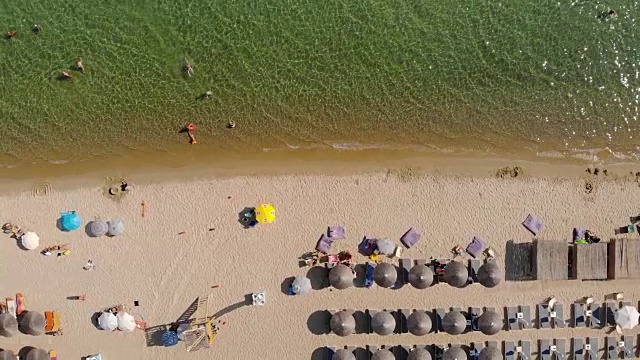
[548, 349]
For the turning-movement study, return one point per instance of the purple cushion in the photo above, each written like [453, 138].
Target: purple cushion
[336, 233]
[533, 224]
[475, 247]
[324, 244]
[410, 238]
[367, 246]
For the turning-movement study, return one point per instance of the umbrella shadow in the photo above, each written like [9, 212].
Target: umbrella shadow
[248, 300]
[59, 224]
[19, 244]
[187, 314]
[87, 230]
[246, 217]
[319, 277]
[284, 286]
[94, 320]
[319, 354]
[361, 274]
[24, 351]
[153, 335]
[318, 322]
[362, 322]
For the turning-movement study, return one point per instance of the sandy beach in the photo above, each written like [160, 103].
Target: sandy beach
[166, 271]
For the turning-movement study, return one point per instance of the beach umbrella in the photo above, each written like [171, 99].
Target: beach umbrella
[108, 321]
[301, 285]
[421, 276]
[126, 322]
[30, 240]
[419, 323]
[70, 221]
[169, 338]
[343, 323]
[419, 354]
[32, 323]
[385, 246]
[383, 354]
[343, 354]
[37, 354]
[454, 322]
[383, 323]
[7, 355]
[265, 213]
[627, 317]
[455, 353]
[385, 275]
[489, 274]
[116, 228]
[456, 274]
[8, 325]
[491, 353]
[98, 228]
[490, 323]
[341, 277]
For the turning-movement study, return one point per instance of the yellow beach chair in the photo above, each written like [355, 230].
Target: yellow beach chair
[20, 306]
[53, 355]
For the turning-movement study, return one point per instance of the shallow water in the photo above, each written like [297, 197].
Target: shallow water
[502, 78]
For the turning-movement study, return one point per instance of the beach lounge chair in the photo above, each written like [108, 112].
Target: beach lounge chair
[627, 350]
[405, 313]
[410, 238]
[368, 278]
[474, 266]
[591, 349]
[525, 320]
[331, 350]
[53, 355]
[558, 316]
[578, 315]
[610, 310]
[509, 350]
[525, 350]
[20, 305]
[12, 308]
[371, 313]
[611, 351]
[474, 313]
[543, 316]
[324, 244]
[475, 247]
[336, 233]
[512, 318]
[52, 322]
[533, 224]
[406, 265]
[94, 357]
[474, 350]
[439, 315]
[560, 349]
[578, 349]
[544, 349]
[594, 316]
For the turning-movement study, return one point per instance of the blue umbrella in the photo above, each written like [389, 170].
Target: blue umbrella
[70, 221]
[169, 338]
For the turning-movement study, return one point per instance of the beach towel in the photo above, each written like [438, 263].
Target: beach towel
[578, 234]
[533, 224]
[324, 244]
[475, 247]
[367, 246]
[410, 238]
[336, 233]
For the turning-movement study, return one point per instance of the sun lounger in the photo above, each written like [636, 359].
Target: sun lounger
[336, 232]
[475, 247]
[11, 306]
[439, 315]
[20, 305]
[368, 277]
[628, 347]
[578, 350]
[611, 351]
[512, 319]
[509, 350]
[474, 313]
[525, 350]
[330, 351]
[558, 316]
[52, 322]
[406, 267]
[324, 244]
[594, 316]
[561, 351]
[474, 350]
[53, 355]
[410, 238]
[525, 322]
[578, 315]
[543, 316]
[545, 349]
[371, 314]
[610, 313]
[474, 266]
[592, 349]
[533, 224]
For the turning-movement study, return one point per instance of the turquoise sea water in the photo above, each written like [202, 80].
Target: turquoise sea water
[546, 78]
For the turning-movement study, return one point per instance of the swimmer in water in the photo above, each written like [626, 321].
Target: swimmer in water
[65, 76]
[37, 28]
[606, 15]
[11, 34]
[188, 69]
[78, 66]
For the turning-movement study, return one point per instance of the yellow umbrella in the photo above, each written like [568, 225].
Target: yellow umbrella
[265, 214]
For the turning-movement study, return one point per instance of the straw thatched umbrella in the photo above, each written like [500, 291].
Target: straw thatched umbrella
[490, 275]
[421, 276]
[456, 274]
[490, 323]
[301, 285]
[491, 353]
[98, 228]
[383, 323]
[627, 317]
[7, 355]
[385, 246]
[419, 323]
[343, 354]
[32, 323]
[341, 277]
[454, 322]
[8, 325]
[383, 354]
[419, 354]
[343, 323]
[385, 275]
[38, 354]
[455, 353]
[116, 228]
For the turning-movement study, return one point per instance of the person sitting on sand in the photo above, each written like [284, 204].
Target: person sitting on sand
[78, 66]
[124, 186]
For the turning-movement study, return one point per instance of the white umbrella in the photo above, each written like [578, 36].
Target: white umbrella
[30, 240]
[126, 322]
[108, 321]
[385, 246]
[627, 317]
[301, 285]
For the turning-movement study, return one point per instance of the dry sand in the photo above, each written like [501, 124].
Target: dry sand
[166, 271]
